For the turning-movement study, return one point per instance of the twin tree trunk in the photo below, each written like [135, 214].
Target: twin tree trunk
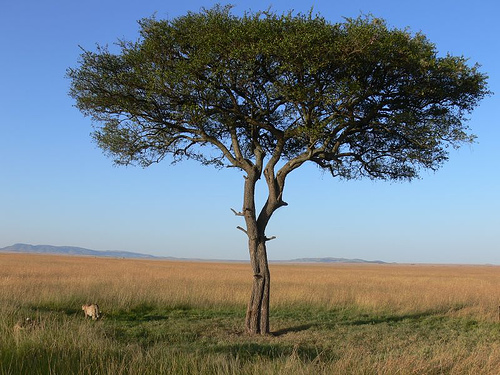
[257, 316]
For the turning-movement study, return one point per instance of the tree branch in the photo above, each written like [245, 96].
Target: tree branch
[237, 213]
[230, 157]
[291, 165]
[243, 230]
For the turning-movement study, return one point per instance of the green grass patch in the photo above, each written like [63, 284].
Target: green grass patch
[181, 339]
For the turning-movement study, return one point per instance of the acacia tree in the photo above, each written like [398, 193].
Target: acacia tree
[266, 93]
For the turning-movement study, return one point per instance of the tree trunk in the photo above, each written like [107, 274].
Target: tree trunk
[257, 316]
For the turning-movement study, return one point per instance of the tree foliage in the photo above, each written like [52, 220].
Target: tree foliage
[357, 98]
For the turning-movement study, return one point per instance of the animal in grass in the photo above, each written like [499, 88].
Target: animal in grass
[28, 324]
[92, 310]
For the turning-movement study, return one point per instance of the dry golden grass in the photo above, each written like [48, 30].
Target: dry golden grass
[165, 317]
[453, 289]
[462, 290]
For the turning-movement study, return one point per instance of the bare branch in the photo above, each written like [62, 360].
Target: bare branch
[237, 213]
[235, 143]
[229, 156]
[243, 230]
[281, 202]
[292, 165]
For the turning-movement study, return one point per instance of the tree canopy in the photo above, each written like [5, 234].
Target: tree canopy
[357, 98]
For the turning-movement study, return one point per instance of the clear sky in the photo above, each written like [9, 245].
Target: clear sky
[57, 188]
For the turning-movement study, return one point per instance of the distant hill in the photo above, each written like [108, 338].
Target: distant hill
[71, 250]
[334, 260]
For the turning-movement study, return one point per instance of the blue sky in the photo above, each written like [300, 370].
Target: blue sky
[58, 188]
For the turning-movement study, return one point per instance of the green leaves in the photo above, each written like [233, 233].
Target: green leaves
[357, 98]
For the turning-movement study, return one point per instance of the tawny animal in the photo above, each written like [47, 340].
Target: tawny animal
[25, 324]
[91, 310]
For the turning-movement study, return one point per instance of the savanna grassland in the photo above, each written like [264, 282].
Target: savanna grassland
[164, 317]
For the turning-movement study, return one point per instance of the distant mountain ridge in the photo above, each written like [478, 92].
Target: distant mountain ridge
[71, 250]
[80, 251]
[334, 260]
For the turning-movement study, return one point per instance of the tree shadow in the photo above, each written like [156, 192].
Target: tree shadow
[284, 331]
[410, 318]
[357, 320]
[248, 351]
[140, 313]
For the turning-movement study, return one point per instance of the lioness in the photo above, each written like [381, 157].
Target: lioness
[91, 310]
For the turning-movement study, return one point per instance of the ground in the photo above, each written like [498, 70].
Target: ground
[164, 317]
